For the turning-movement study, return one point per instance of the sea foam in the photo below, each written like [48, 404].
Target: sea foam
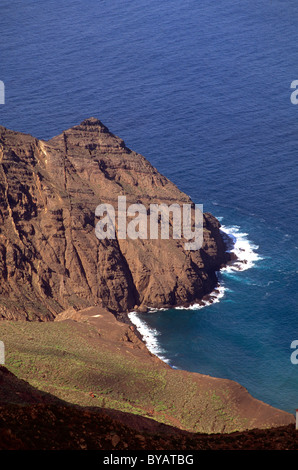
[149, 335]
[238, 243]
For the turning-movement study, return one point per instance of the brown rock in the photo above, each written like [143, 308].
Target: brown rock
[50, 258]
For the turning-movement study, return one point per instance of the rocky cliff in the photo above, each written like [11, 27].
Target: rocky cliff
[50, 258]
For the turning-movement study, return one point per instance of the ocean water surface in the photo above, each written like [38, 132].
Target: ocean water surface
[201, 89]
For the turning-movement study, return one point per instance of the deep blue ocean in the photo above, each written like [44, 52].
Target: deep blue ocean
[201, 88]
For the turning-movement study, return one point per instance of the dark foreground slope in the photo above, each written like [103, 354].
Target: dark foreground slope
[37, 421]
[50, 258]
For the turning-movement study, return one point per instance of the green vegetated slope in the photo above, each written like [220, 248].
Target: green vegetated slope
[73, 362]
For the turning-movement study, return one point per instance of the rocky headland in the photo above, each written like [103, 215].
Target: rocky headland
[50, 258]
[68, 290]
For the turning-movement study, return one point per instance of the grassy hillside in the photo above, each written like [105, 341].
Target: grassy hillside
[84, 365]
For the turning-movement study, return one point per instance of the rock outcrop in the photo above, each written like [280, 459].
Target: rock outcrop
[50, 258]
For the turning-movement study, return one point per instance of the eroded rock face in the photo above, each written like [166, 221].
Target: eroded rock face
[50, 258]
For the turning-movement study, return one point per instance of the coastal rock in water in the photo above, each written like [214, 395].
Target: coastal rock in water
[50, 258]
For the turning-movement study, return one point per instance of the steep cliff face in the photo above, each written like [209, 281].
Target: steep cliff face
[50, 258]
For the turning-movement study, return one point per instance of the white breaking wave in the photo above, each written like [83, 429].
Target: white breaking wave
[246, 254]
[213, 298]
[149, 335]
[242, 247]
